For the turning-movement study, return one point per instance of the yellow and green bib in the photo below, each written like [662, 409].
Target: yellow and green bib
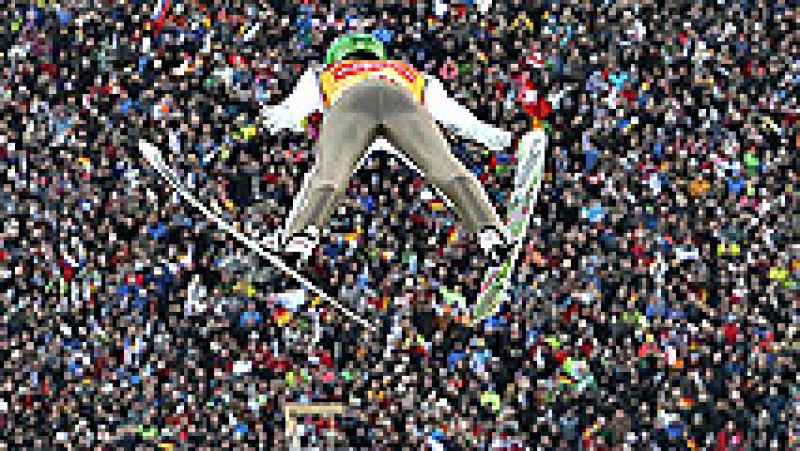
[337, 77]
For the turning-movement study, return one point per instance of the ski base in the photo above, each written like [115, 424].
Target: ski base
[153, 156]
[494, 289]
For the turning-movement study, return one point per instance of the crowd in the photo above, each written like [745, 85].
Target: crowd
[655, 304]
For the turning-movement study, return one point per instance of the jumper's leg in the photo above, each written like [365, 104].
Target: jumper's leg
[410, 127]
[347, 130]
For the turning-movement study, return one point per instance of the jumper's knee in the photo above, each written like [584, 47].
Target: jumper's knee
[313, 207]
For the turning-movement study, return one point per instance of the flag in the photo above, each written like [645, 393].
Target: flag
[452, 235]
[160, 15]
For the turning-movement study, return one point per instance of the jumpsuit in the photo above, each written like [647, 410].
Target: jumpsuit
[364, 111]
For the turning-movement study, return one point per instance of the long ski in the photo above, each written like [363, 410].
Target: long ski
[153, 156]
[497, 280]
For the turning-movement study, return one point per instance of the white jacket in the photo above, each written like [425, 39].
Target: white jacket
[306, 98]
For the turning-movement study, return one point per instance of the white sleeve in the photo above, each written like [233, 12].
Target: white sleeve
[456, 117]
[304, 100]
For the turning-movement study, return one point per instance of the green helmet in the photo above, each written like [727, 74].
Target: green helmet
[352, 43]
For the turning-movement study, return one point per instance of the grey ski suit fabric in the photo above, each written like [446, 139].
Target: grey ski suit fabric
[376, 107]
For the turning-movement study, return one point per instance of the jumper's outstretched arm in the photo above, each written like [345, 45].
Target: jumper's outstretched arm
[289, 114]
[458, 118]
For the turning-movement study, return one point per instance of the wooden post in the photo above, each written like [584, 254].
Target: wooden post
[293, 410]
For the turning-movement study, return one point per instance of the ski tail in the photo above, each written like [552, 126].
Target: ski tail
[153, 156]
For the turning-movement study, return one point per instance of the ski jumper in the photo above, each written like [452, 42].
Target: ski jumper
[364, 99]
